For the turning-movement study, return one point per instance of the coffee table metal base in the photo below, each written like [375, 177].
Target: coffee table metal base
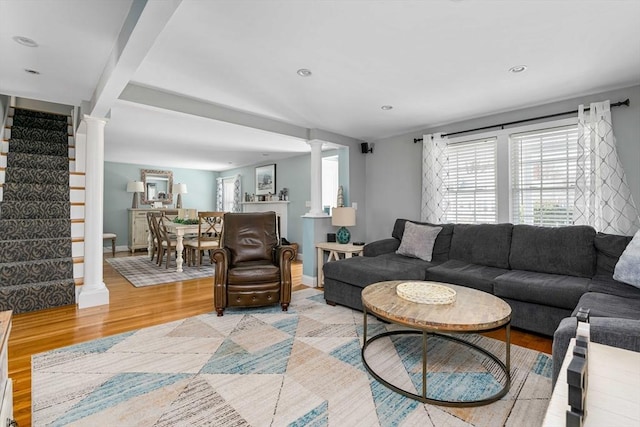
[423, 397]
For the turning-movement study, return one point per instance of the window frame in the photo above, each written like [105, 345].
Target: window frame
[225, 182]
[504, 180]
[477, 138]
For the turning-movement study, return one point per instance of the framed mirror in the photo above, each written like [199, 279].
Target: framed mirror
[157, 186]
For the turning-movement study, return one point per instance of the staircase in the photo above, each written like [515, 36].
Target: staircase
[36, 267]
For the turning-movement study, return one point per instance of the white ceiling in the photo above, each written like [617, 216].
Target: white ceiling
[436, 62]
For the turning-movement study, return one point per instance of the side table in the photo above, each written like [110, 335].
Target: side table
[612, 393]
[335, 250]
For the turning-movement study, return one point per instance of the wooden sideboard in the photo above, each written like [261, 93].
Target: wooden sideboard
[139, 228]
[6, 385]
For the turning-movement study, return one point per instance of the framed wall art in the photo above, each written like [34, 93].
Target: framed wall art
[266, 179]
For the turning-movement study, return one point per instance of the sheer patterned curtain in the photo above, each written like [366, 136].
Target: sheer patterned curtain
[219, 194]
[433, 171]
[229, 194]
[603, 198]
[237, 193]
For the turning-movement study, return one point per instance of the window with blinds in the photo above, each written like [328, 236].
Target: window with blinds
[543, 165]
[470, 181]
[227, 194]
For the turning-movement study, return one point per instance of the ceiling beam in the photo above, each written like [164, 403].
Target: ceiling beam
[172, 102]
[141, 28]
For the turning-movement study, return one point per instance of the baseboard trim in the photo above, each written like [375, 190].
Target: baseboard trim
[309, 281]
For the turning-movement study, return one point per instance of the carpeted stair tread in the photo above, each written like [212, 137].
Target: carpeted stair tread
[15, 229]
[35, 192]
[17, 145]
[39, 114]
[34, 209]
[36, 264]
[39, 134]
[40, 123]
[36, 176]
[37, 161]
[37, 296]
[24, 272]
[34, 249]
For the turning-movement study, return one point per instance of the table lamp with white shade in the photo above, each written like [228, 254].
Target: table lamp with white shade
[135, 187]
[179, 189]
[343, 217]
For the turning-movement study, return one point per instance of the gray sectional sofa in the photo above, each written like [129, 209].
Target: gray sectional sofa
[544, 274]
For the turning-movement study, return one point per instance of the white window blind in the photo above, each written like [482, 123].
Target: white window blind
[543, 165]
[470, 181]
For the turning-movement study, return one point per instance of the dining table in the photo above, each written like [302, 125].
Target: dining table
[179, 230]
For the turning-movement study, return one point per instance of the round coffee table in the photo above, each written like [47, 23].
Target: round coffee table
[473, 311]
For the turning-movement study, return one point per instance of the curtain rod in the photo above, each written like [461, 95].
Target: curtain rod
[502, 125]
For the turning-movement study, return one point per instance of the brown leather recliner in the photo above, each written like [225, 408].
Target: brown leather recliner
[252, 269]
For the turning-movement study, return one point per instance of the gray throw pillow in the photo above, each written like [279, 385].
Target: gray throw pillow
[418, 240]
[628, 266]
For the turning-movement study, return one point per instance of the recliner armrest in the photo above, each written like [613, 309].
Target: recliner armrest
[380, 247]
[284, 254]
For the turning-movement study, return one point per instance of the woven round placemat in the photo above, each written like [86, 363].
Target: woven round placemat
[426, 293]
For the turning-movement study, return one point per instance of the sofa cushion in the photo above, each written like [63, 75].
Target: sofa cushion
[628, 266]
[443, 241]
[483, 244]
[541, 288]
[363, 271]
[466, 274]
[609, 247]
[554, 250]
[418, 240]
[605, 305]
[605, 284]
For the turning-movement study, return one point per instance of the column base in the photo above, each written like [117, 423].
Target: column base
[93, 297]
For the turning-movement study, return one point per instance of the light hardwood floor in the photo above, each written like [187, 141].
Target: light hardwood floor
[129, 308]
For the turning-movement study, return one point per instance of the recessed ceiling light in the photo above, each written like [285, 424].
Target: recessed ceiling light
[387, 107]
[30, 71]
[25, 41]
[303, 72]
[518, 69]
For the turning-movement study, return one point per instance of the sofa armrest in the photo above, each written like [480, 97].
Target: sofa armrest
[380, 247]
[613, 331]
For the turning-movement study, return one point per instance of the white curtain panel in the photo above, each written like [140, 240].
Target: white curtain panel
[433, 169]
[237, 193]
[219, 195]
[603, 198]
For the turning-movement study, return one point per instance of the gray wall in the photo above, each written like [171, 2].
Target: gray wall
[201, 187]
[393, 171]
[294, 173]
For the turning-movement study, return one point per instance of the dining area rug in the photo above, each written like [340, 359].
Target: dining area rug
[141, 271]
[264, 367]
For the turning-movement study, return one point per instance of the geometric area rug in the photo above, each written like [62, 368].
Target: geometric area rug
[265, 367]
[141, 271]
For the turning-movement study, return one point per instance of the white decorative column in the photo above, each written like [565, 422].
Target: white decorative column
[315, 223]
[316, 179]
[93, 292]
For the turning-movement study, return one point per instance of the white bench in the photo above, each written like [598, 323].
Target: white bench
[111, 236]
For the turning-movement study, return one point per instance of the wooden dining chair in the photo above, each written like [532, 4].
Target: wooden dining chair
[168, 242]
[155, 239]
[210, 228]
